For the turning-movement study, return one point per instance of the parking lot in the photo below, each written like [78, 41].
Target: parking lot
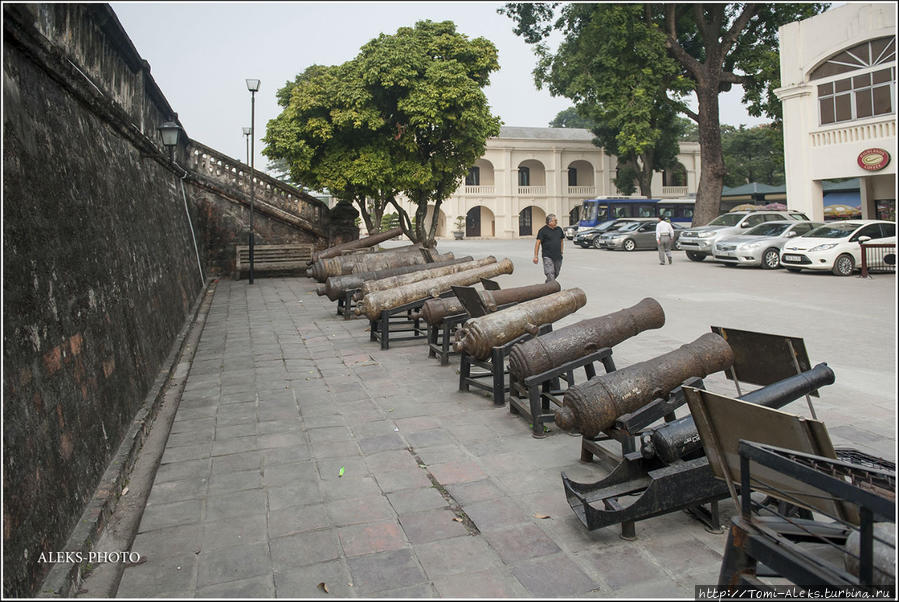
[849, 322]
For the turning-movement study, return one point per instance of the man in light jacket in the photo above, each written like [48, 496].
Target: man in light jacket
[664, 238]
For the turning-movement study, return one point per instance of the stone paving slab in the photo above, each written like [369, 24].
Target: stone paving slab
[303, 454]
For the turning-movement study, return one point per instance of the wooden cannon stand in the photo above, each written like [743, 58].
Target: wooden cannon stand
[541, 390]
[399, 320]
[345, 304]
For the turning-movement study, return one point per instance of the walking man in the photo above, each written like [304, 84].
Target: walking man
[552, 237]
[664, 238]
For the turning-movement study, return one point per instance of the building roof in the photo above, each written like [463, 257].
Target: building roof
[529, 133]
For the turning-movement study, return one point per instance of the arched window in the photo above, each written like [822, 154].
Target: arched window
[524, 176]
[474, 176]
[867, 93]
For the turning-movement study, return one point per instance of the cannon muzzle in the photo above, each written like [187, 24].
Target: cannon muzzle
[479, 335]
[679, 439]
[593, 406]
[577, 340]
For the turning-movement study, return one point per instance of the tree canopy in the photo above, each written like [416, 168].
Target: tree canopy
[753, 155]
[406, 115]
[619, 57]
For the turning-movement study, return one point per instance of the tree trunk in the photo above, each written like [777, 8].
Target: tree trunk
[405, 222]
[712, 171]
[644, 174]
[377, 213]
[432, 229]
[366, 216]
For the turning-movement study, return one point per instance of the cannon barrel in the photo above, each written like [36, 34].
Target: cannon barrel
[335, 286]
[433, 271]
[577, 340]
[435, 310]
[593, 406]
[322, 269]
[372, 305]
[679, 439]
[479, 335]
[359, 243]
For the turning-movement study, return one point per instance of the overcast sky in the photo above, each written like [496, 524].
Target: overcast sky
[201, 54]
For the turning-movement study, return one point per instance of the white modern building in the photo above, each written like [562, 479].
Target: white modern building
[527, 173]
[838, 88]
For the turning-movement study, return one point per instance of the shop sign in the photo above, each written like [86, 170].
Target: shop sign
[873, 159]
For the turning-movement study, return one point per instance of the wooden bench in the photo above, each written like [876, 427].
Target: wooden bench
[273, 259]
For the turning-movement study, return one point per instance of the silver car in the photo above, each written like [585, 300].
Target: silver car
[638, 235]
[760, 245]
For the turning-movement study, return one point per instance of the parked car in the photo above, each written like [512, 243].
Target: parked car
[637, 235]
[834, 246]
[570, 231]
[761, 245]
[699, 242]
[589, 237]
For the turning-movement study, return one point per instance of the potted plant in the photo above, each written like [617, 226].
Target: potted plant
[459, 232]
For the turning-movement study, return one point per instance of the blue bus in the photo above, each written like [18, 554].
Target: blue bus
[603, 209]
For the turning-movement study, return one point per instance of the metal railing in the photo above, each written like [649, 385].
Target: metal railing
[878, 258]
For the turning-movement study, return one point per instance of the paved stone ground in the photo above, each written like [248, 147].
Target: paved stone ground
[302, 454]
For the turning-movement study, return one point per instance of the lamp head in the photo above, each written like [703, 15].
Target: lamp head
[169, 131]
[246, 131]
[253, 85]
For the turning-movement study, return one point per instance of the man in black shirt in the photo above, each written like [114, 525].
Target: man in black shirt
[552, 237]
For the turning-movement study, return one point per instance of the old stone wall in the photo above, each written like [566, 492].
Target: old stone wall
[99, 269]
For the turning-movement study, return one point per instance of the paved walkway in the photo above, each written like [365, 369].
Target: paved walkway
[303, 457]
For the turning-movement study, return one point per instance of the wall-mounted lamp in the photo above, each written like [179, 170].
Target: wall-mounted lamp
[170, 131]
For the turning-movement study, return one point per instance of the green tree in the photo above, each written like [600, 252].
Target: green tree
[328, 135]
[753, 155]
[712, 47]
[427, 84]
[570, 118]
[406, 115]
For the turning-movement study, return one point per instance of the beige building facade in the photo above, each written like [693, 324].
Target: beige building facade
[838, 75]
[527, 173]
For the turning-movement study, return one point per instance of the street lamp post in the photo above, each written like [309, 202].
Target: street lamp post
[253, 87]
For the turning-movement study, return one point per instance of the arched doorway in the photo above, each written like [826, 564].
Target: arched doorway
[479, 222]
[530, 219]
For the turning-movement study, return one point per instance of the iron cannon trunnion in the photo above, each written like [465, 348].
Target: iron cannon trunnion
[335, 286]
[479, 335]
[373, 304]
[435, 310]
[593, 406]
[578, 340]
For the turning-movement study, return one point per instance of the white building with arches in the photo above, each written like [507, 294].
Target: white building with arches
[527, 173]
[838, 89]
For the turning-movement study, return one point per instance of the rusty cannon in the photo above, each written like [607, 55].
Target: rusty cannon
[479, 335]
[322, 269]
[373, 304]
[577, 340]
[679, 439]
[433, 271]
[335, 286]
[593, 406]
[671, 471]
[359, 243]
[435, 310]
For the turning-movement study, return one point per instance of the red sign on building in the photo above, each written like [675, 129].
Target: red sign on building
[873, 159]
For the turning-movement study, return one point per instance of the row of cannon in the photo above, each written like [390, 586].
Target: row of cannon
[410, 276]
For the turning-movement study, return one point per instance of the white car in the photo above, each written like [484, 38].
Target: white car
[834, 246]
[761, 245]
[699, 242]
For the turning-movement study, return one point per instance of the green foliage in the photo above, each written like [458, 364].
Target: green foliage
[570, 118]
[389, 221]
[626, 178]
[460, 222]
[407, 115]
[753, 155]
[622, 59]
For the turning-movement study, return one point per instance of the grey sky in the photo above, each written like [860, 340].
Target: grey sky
[201, 53]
